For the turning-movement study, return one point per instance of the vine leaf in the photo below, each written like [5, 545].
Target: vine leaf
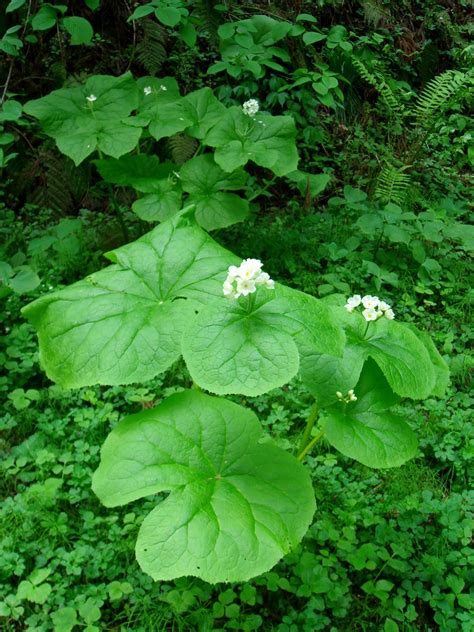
[124, 323]
[235, 506]
[267, 140]
[366, 430]
[79, 126]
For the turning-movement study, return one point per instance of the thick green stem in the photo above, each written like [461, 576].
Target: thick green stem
[116, 205]
[310, 445]
[309, 427]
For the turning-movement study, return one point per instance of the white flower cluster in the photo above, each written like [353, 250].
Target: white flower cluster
[251, 107]
[350, 397]
[91, 98]
[245, 279]
[147, 90]
[374, 308]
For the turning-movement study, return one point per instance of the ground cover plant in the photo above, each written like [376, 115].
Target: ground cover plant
[279, 445]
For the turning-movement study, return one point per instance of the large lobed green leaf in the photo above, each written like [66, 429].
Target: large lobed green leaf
[80, 127]
[267, 140]
[164, 111]
[250, 348]
[124, 324]
[208, 186]
[236, 506]
[366, 430]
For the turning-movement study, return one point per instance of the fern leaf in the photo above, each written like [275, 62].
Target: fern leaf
[437, 93]
[151, 51]
[377, 80]
[181, 148]
[392, 184]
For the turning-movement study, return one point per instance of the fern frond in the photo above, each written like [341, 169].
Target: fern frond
[209, 19]
[392, 184]
[437, 93]
[62, 185]
[377, 80]
[181, 148]
[151, 51]
[374, 12]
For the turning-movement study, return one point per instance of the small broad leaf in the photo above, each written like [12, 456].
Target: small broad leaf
[235, 506]
[267, 140]
[169, 16]
[80, 30]
[44, 19]
[161, 107]
[314, 182]
[204, 110]
[365, 430]
[232, 347]
[124, 323]
[13, 5]
[94, 116]
[206, 182]
[25, 280]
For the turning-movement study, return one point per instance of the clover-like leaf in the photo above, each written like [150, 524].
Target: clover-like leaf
[269, 141]
[204, 110]
[94, 116]
[366, 430]
[124, 323]
[161, 107]
[235, 506]
[207, 185]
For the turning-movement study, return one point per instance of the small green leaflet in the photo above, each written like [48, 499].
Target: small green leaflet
[207, 185]
[366, 430]
[80, 30]
[235, 506]
[79, 126]
[124, 323]
[267, 140]
[234, 347]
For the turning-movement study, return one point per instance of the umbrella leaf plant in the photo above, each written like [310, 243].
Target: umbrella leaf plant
[228, 506]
